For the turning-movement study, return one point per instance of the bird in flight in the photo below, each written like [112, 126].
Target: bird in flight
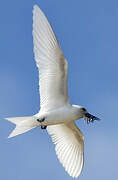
[56, 114]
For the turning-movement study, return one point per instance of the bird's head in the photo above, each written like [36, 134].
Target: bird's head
[87, 116]
[83, 113]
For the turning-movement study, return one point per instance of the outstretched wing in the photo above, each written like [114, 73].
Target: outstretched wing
[69, 146]
[51, 63]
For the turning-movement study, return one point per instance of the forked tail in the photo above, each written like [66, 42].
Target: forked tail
[23, 124]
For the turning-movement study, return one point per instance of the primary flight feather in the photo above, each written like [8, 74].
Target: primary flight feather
[56, 113]
[50, 62]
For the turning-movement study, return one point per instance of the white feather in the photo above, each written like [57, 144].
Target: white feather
[51, 64]
[69, 146]
[55, 107]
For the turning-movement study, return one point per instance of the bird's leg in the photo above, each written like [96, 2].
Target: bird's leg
[41, 119]
[43, 127]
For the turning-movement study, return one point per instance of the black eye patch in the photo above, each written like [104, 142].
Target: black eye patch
[83, 109]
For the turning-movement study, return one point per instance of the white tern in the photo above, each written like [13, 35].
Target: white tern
[56, 114]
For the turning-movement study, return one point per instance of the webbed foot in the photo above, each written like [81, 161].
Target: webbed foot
[41, 120]
[43, 127]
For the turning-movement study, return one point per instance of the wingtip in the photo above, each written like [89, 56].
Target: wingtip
[35, 6]
[36, 9]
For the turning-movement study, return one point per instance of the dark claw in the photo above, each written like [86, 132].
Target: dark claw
[43, 127]
[41, 120]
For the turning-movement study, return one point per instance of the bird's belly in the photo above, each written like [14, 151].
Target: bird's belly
[60, 115]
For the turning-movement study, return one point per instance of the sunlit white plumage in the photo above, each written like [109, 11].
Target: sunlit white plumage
[53, 69]
[69, 146]
[50, 62]
[56, 113]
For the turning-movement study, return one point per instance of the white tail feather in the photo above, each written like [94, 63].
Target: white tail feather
[23, 124]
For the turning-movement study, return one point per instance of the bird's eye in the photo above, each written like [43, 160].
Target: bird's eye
[83, 109]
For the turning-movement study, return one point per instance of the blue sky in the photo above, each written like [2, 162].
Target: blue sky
[88, 34]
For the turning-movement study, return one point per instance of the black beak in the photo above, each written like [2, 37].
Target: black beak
[90, 118]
